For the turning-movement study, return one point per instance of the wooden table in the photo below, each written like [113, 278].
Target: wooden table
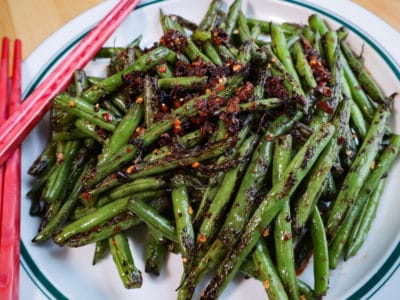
[33, 21]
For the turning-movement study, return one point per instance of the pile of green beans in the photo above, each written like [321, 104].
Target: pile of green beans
[243, 145]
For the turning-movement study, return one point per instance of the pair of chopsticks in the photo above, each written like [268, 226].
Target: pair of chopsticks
[10, 177]
[22, 119]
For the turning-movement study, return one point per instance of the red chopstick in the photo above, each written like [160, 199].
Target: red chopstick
[24, 119]
[11, 198]
[5, 53]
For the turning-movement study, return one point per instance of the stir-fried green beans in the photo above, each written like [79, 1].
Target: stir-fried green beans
[239, 144]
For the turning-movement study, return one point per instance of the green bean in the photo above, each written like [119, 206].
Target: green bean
[194, 53]
[364, 77]
[208, 228]
[144, 63]
[357, 118]
[88, 198]
[183, 220]
[131, 277]
[56, 182]
[153, 219]
[108, 105]
[332, 48]
[317, 23]
[149, 100]
[212, 53]
[207, 20]
[82, 158]
[187, 141]
[382, 167]
[184, 158]
[337, 245]
[283, 236]
[81, 109]
[358, 121]
[330, 190]
[51, 211]
[357, 92]
[282, 124]
[89, 221]
[72, 135]
[230, 22]
[265, 26]
[36, 191]
[342, 33]
[306, 292]
[260, 105]
[122, 221]
[302, 66]
[281, 50]
[108, 52]
[320, 28]
[225, 53]
[244, 30]
[358, 171]
[155, 255]
[120, 101]
[168, 24]
[201, 36]
[83, 210]
[136, 186]
[269, 276]
[269, 207]
[321, 259]
[189, 82]
[306, 203]
[44, 161]
[65, 210]
[350, 148]
[366, 220]
[60, 119]
[101, 250]
[122, 133]
[86, 129]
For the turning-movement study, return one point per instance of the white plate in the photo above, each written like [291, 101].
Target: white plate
[52, 272]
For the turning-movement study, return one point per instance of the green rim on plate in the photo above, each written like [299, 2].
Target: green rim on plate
[367, 290]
